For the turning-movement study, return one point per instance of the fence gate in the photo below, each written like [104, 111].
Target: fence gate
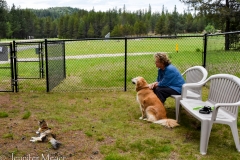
[55, 63]
[29, 62]
[7, 78]
[22, 65]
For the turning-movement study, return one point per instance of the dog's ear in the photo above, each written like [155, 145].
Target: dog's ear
[41, 121]
[139, 83]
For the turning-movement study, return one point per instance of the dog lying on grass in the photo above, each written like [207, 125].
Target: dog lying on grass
[151, 107]
[45, 133]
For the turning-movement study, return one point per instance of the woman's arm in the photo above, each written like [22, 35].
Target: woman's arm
[153, 85]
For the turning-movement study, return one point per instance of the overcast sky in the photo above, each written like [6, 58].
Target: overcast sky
[101, 5]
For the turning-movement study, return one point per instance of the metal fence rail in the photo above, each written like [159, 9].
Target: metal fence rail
[109, 64]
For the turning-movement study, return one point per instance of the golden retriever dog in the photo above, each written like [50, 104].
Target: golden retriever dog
[151, 107]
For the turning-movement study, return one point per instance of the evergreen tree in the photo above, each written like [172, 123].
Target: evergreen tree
[15, 23]
[127, 29]
[47, 27]
[188, 22]
[54, 29]
[29, 23]
[8, 30]
[67, 22]
[70, 27]
[137, 30]
[61, 28]
[105, 31]
[75, 27]
[3, 19]
[227, 11]
[90, 32]
[81, 29]
[160, 26]
[117, 31]
[174, 22]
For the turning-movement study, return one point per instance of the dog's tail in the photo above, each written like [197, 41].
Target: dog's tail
[170, 123]
[54, 142]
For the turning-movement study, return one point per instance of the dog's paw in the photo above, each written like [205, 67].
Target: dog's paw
[37, 132]
[140, 117]
[145, 119]
[33, 139]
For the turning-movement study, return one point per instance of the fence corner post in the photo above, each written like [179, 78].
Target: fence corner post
[46, 59]
[125, 71]
[204, 50]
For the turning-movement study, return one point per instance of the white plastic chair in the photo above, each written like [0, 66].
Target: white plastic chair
[193, 74]
[224, 96]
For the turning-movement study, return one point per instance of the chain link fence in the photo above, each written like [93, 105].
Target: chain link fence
[102, 64]
[6, 68]
[110, 64]
[222, 58]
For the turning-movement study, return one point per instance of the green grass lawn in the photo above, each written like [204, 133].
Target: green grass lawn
[104, 125]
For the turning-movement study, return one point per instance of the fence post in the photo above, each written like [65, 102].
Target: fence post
[14, 60]
[204, 50]
[42, 61]
[64, 60]
[12, 67]
[46, 61]
[125, 67]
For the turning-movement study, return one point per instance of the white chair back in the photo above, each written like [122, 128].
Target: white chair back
[225, 88]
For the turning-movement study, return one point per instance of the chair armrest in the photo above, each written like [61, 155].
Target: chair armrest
[188, 86]
[218, 105]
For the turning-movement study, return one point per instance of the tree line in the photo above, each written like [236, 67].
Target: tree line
[73, 23]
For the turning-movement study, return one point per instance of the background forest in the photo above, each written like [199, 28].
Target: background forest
[74, 23]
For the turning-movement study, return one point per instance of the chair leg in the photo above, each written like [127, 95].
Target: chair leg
[204, 137]
[177, 108]
[210, 124]
[235, 135]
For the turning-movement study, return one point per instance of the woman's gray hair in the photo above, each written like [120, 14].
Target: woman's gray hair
[163, 58]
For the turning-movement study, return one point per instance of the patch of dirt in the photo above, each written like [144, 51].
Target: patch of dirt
[4, 99]
[16, 134]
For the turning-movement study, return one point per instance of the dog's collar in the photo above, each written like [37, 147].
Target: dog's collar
[45, 128]
[138, 89]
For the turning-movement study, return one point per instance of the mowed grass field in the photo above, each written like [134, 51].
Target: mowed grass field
[94, 118]
[86, 47]
[108, 71]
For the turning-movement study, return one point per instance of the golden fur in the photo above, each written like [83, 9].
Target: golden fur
[151, 107]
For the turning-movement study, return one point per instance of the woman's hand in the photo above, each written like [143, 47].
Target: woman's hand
[153, 85]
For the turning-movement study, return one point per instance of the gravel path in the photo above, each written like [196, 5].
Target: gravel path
[86, 56]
